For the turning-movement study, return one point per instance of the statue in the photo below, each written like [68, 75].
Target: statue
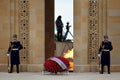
[59, 25]
[67, 28]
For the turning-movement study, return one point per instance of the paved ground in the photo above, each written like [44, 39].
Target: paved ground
[63, 76]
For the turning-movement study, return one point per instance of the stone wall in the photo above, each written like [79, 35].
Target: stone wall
[113, 30]
[4, 32]
[109, 22]
[37, 35]
[63, 47]
[81, 35]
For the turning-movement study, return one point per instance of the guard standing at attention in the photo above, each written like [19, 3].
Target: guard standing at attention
[13, 53]
[104, 53]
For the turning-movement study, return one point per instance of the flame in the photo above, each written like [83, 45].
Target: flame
[69, 56]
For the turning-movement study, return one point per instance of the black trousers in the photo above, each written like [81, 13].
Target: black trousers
[17, 68]
[102, 68]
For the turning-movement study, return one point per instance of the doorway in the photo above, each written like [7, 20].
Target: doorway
[53, 8]
[64, 45]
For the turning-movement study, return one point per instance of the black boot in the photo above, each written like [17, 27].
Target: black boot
[102, 69]
[11, 68]
[108, 69]
[17, 66]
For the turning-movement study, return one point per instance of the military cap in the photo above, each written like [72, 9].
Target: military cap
[105, 36]
[15, 35]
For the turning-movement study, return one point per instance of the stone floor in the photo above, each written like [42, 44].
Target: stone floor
[63, 76]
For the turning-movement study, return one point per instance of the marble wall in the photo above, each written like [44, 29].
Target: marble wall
[109, 22]
[37, 35]
[4, 32]
[81, 35]
[113, 30]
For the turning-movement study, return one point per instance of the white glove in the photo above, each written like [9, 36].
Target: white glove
[98, 55]
[8, 54]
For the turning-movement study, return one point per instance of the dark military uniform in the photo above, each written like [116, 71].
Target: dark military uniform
[105, 48]
[13, 50]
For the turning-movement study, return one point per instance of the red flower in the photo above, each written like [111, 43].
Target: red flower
[53, 66]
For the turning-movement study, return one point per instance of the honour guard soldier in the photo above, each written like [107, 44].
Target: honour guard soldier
[104, 51]
[13, 53]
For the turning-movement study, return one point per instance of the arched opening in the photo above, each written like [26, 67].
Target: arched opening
[64, 44]
[53, 8]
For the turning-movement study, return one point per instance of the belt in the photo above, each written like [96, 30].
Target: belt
[15, 49]
[105, 50]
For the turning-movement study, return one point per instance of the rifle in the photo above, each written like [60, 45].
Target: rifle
[99, 57]
[8, 58]
[99, 62]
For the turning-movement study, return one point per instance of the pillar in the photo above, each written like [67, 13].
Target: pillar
[81, 35]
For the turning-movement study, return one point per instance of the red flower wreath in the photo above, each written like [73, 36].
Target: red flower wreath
[56, 64]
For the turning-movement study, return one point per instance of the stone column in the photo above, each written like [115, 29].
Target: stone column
[37, 35]
[4, 32]
[113, 29]
[49, 28]
[81, 35]
[105, 19]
